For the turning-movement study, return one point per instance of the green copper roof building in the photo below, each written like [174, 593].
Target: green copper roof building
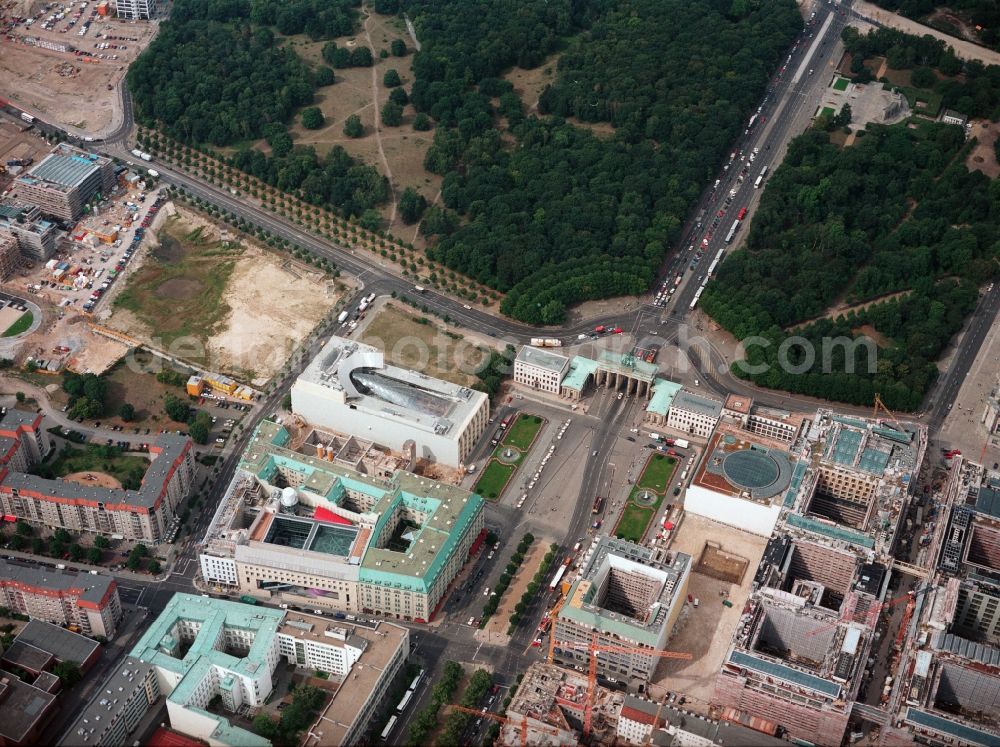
[321, 533]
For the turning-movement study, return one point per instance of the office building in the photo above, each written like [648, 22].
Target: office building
[365, 658]
[799, 656]
[143, 514]
[86, 601]
[36, 237]
[740, 481]
[947, 688]
[693, 414]
[136, 10]
[766, 422]
[305, 527]
[540, 369]
[348, 387]
[629, 600]
[65, 180]
[199, 649]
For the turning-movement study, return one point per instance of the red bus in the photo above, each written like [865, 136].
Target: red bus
[506, 421]
[598, 505]
[742, 214]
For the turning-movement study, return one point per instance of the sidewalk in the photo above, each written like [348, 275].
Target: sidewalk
[122, 574]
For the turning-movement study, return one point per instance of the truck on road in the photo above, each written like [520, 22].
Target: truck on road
[343, 317]
[681, 443]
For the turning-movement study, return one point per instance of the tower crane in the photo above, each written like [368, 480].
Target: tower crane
[595, 648]
[522, 722]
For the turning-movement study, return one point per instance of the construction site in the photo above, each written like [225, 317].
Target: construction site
[67, 69]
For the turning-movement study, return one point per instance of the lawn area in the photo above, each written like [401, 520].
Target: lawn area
[411, 343]
[655, 477]
[522, 433]
[657, 473]
[493, 479]
[840, 84]
[20, 325]
[128, 470]
[634, 521]
[826, 111]
[178, 291]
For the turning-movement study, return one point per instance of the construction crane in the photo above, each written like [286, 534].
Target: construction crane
[880, 405]
[595, 648]
[553, 613]
[522, 722]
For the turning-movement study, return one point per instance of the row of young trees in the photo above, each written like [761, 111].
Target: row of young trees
[564, 215]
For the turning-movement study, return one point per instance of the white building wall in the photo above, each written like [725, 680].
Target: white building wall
[736, 512]
[321, 408]
[633, 732]
[219, 570]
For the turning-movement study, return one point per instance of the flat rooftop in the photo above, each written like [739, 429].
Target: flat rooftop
[448, 510]
[63, 644]
[23, 706]
[610, 556]
[65, 167]
[379, 645]
[541, 358]
[100, 711]
[685, 400]
[740, 465]
[352, 372]
[87, 587]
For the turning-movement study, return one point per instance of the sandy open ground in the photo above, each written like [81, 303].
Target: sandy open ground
[66, 88]
[271, 303]
[706, 632]
[93, 479]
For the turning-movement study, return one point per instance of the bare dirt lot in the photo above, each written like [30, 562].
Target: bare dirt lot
[20, 142]
[93, 479]
[427, 348]
[77, 90]
[229, 306]
[983, 157]
[706, 632]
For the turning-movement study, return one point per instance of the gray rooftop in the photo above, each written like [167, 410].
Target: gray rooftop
[170, 447]
[685, 400]
[978, 652]
[609, 553]
[541, 358]
[86, 586]
[23, 705]
[786, 673]
[717, 732]
[100, 712]
[66, 167]
[967, 734]
[61, 643]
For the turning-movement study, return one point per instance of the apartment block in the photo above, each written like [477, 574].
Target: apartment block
[143, 514]
[10, 255]
[88, 602]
